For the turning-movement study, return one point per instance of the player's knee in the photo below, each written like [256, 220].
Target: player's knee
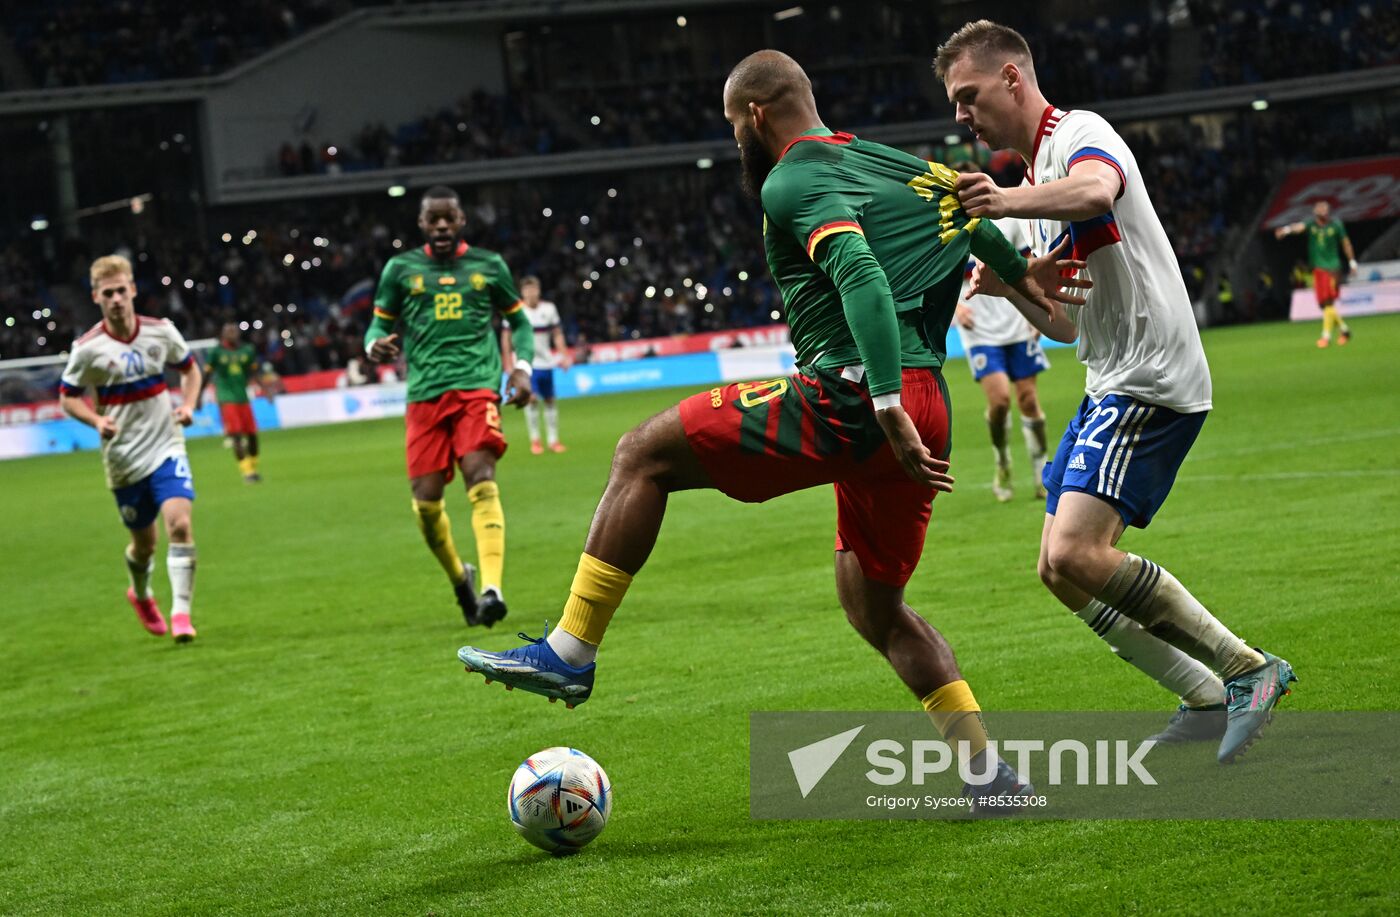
[1028, 404]
[180, 529]
[636, 454]
[997, 409]
[1066, 560]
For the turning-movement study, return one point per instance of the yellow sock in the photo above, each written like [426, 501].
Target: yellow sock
[1329, 320]
[247, 465]
[437, 532]
[253, 462]
[597, 591]
[489, 523]
[957, 717]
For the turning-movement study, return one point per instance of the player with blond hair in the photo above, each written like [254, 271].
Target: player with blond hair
[124, 358]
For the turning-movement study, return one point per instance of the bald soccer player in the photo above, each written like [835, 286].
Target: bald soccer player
[868, 246]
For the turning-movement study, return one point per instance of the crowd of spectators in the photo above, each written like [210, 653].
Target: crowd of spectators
[89, 42]
[1277, 39]
[627, 257]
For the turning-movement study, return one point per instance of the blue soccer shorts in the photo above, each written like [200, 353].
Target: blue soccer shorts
[1021, 360]
[140, 503]
[1123, 451]
[542, 381]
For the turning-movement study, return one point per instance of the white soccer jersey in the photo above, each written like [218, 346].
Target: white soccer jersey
[129, 377]
[1137, 333]
[996, 322]
[544, 318]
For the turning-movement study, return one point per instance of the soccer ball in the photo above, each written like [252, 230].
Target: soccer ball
[559, 799]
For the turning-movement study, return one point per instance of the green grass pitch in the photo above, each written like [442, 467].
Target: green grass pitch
[319, 750]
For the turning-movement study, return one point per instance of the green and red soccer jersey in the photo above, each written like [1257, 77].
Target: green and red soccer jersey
[868, 244]
[231, 368]
[1325, 245]
[447, 307]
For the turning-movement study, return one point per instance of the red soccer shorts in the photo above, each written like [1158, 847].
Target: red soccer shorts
[238, 419]
[1325, 286]
[439, 432]
[759, 440]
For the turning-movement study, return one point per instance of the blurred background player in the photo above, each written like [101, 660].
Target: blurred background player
[1003, 349]
[1148, 388]
[868, 245]
[550, 351]
[143, 448]
[447, 294]
[233, 364]
[1327, 240]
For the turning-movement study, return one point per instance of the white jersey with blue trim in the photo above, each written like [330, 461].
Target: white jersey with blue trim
[1137, 331]
[544, 318]
[995, 321]
[129, 377]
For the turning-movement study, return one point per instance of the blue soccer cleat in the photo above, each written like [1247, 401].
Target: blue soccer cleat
[1250, 700]
[1002, 796]
[534, 667]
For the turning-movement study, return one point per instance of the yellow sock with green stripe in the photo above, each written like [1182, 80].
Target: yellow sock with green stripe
[597, 590]
[957, 717]
[489, 524]
[437, 532]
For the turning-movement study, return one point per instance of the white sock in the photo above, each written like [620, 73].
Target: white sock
[551, 423]
[571, 649]
[1192, 681]
[532, 421]
[179, 565]
[139, 574]
[1155, 599]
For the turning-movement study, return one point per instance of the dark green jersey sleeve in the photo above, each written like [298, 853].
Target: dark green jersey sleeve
[388, 300]
[810, 203]
[994, 250]
[506, 298]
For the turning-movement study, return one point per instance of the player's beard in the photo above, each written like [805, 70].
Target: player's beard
[755, 162]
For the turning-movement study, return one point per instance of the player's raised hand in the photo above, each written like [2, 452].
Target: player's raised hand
[518, 391]
[1050, 279]
[963, 316]
[919, 463]
[184, 415]
[980, 196]
[384, 349]
[107, 427]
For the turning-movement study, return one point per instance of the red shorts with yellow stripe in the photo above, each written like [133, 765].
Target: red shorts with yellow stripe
[759, 440]
[441, 430]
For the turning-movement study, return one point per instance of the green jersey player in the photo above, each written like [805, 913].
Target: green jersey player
[868, 245]
[446, 296]
[231, 366]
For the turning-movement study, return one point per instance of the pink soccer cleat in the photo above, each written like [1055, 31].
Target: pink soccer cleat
[557, 447]
[535, 447]
[148, 612]
[181, 628]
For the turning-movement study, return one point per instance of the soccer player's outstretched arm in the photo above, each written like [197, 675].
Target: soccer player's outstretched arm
[380, 343]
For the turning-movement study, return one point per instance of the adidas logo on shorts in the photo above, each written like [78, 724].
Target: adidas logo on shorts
[1077, 463]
